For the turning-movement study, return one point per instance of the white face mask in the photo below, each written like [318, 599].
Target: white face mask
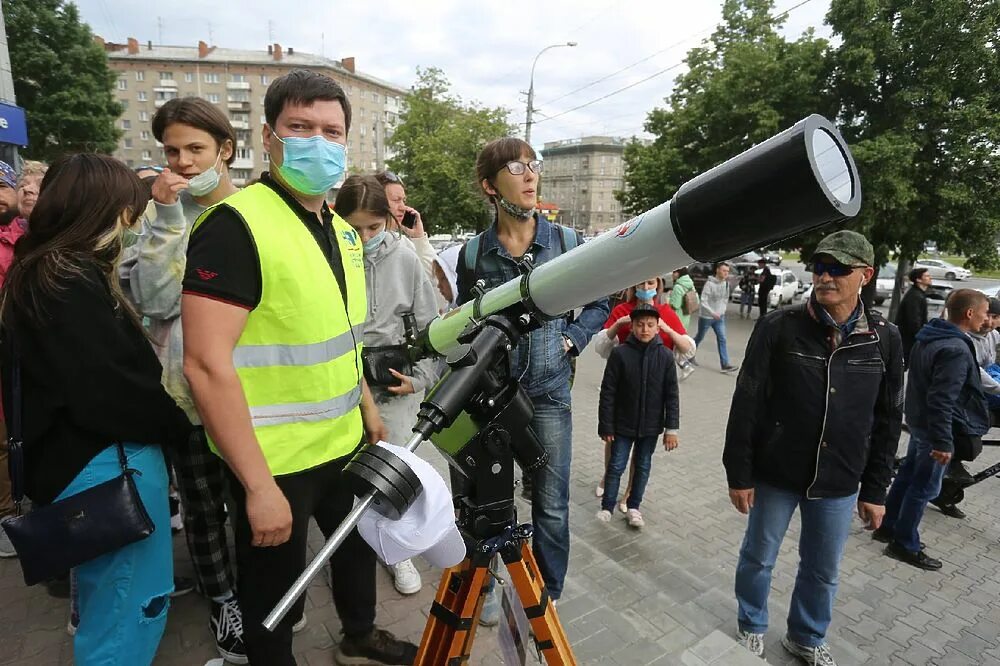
[206, 181]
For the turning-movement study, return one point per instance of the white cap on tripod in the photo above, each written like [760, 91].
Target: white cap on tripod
[428, 526]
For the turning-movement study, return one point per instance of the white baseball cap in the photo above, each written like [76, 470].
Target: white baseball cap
[428, 526]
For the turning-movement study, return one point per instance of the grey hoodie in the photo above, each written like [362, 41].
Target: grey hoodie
[714, 298]
[397, 283]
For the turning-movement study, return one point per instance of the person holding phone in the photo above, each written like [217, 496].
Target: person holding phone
[399, 291]
[407, 220]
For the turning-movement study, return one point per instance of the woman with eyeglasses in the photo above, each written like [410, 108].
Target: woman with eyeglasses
[400, 295]
[508, 171]
[90, 381]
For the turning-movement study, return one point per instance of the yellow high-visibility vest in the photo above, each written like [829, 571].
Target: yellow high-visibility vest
[299, 357]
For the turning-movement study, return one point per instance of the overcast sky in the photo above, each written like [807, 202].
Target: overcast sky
[486, 50]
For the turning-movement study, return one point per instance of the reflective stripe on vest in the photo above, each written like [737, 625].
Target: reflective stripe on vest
[299, 356]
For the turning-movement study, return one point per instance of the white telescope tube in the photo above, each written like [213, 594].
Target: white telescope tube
[797, 180]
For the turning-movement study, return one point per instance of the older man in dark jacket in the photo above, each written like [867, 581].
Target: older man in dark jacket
[944, 401]
[816, 413]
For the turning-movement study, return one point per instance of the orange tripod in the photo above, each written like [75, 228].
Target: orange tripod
[454, 617]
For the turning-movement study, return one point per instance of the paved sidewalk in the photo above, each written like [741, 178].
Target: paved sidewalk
[662, 596]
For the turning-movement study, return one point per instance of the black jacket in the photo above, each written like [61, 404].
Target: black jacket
[811, 421]
[89, 378]
[639, 393]
[911, 317]
[944, 393]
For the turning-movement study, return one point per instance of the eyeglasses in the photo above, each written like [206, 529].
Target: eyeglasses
[516, 167]
[830, 268]
[390, 177]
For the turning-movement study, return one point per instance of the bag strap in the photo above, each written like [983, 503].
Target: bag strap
[472, 254]
[15, 443]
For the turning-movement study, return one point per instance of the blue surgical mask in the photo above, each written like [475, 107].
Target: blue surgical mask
[374, 243]
[312, 165]
[645, 294]
[129, 234]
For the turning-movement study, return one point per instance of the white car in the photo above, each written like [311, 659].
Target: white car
[785, 289]
[942, 269]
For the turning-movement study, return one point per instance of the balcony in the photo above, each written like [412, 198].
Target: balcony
[237, 124]
[168, 83]
[243, 163]
[238, 85]
[238, 106]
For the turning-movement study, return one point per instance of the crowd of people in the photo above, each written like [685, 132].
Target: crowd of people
[253, 339]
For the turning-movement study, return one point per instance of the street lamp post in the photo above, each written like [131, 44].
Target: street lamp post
[531, 89]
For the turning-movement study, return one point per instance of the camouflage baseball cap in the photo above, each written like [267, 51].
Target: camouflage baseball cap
[8, 176]
[848, 247]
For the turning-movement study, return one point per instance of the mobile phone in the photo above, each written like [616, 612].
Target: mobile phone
[409, 219]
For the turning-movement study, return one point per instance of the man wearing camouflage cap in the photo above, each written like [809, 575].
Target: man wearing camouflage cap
[814, 425]
[8, 188]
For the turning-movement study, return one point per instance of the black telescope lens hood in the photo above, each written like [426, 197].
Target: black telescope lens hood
[797, 180]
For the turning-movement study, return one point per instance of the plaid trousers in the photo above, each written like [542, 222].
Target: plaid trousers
[202, 485]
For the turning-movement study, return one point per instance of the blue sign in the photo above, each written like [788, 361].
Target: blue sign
[13, 126]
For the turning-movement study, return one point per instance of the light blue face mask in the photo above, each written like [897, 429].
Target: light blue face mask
[312, 165]
[645, 294]
[374, 243]
[130, 236]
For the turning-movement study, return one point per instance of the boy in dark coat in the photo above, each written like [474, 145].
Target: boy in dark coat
[639, 400]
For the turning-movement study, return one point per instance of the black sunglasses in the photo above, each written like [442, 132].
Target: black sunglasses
[391, 177]
[832, 269]
[517, 168]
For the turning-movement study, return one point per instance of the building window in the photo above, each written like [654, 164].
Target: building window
[141, 96]
[122, 84]
[239, 117]
[124, 103]
[244, 153]
[375, 97]
[267, 157]
[164, 95]
[210, 77]
[140, 76]
[237, 78]
[213, 97]
[166, 76]
[264, 79]
[128, 142]
[239, 96]
[144, 116]
[188, 77]
[144, 135]
[146, 155]
[126, 124]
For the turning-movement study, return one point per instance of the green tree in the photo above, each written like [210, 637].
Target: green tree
[61, 79]
[915, 81]
[744, 85]
[436, 142]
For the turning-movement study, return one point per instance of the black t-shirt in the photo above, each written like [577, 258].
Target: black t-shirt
[222, 259]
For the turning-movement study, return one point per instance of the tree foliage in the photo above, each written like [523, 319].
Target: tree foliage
[436, 143]
[61, 79]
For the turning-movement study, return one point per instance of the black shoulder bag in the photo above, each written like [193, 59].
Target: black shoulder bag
[54, 538]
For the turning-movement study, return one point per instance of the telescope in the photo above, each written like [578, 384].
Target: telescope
[477, 413]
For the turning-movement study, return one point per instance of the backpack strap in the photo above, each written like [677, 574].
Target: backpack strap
[567, 238]
[472, 254]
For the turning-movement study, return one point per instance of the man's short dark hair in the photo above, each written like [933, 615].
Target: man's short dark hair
[301, 86]
[916, 274]
[961, 301]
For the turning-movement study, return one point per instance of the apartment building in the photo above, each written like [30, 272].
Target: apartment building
[581, 176]
[236, 80]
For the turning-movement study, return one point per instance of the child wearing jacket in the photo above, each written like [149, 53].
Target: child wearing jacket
[639, 400]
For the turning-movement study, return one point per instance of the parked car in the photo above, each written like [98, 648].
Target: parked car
[885, 283]
[785, 289]
[942, 269]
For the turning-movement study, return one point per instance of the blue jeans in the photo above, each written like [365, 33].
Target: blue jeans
[553, 424]
[620, 448]
[123, 596]
[825, 526]
[719, 326]
[917, 482]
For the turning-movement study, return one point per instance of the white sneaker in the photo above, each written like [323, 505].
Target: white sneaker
[686, 371]
[604, 516]
[6, 547]
[623, 507]
[301, 624]
[814, 656]
[600, 490]
[635, 519]
[405, 577]
[754, 643]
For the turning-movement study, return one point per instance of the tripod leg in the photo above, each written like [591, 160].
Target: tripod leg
[451, 625]
[549, 635]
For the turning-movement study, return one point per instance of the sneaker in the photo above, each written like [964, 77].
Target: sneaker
[635, 519]
[622, 507]
[604, 516]
[490, 615]
[814, 656]
[694, 361]
[227, 624]
[301, 624]
[6, 547]
[730, 368]
[405, 577]
[754, 643]
[919, 559]
[378, 646]
[686, 371]
[72, 625]
[600, 490]
[182, 586]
